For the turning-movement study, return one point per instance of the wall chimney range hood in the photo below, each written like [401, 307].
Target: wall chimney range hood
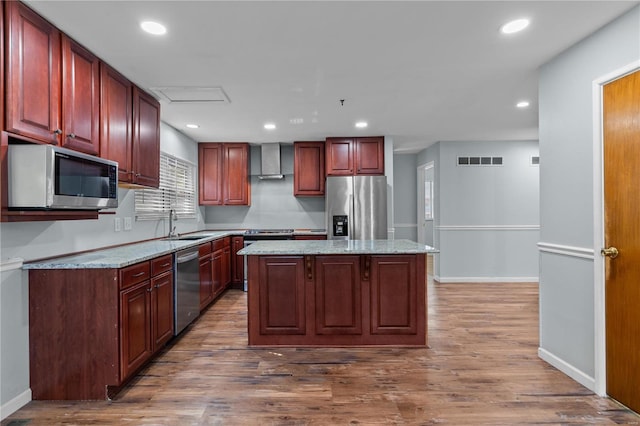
[270, 161]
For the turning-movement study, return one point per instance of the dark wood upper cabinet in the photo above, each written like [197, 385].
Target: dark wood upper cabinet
[33, 75]
[146, 140]
[80, 98]
[223, 172]
[116, 120]
[355, 156]
[308, 169]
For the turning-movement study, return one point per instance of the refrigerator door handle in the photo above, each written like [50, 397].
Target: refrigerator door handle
[353, 224]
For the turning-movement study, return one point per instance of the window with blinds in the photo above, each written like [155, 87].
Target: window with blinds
[177, 191]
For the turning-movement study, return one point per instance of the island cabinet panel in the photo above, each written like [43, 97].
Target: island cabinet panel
[393, 295]
[338, 294]
[282, 295]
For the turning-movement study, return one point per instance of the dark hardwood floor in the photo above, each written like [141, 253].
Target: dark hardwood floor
[481, 367]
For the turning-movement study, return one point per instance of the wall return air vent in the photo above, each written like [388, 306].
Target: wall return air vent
[182, 94]
[479, 161]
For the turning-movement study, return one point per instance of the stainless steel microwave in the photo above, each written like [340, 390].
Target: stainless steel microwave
[51, 178]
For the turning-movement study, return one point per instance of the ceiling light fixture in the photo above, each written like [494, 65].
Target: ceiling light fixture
[269, 126]
[361, 124]
[522, 104]
[154, 28]
[193, 126]
[514, 26]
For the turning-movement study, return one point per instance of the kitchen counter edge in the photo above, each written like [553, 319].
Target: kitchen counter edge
[319, 247]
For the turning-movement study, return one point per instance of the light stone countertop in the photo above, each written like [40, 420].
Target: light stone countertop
[313, 247]
[119, 257]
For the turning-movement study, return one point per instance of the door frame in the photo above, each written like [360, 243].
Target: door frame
[420, 177]
[598, 225]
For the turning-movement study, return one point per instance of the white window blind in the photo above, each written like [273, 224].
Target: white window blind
[176, 191]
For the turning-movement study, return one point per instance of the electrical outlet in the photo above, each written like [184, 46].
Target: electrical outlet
[118, 224]
[127, 224]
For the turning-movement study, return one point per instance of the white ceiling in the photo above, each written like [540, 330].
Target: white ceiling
[418, 71]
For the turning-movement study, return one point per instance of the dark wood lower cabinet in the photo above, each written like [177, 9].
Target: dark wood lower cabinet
[92, 329]
[337, 300]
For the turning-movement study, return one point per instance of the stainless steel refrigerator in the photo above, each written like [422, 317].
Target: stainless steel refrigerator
[356, 207]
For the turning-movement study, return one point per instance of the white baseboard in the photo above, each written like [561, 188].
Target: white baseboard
[568, 369]
[15, 404]
[485, 279]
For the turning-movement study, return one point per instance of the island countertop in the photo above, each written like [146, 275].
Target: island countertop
[325, 247]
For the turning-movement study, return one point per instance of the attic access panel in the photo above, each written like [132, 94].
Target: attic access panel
[182, 94]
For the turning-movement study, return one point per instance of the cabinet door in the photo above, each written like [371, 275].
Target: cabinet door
[308, 169]
[33, 75]
[206, 281]
[369, 156]
[210, 159]
[394, 294]
[236, 187]
[237, 264]
[339, 157]
[162, 304]
[217, 272]
[146, 139]
[338, 295]
[80, 100]
[226, 266]
[135, 328]
[281, 295]
[116, 120]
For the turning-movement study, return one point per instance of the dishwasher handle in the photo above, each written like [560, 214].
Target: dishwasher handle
[186, 257]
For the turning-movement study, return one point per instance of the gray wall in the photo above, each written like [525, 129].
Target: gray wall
[35, 240]
[567, 193]
[404, 205]
[486, 217]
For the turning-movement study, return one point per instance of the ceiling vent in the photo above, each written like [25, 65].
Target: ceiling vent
[270, 161]
[186, 95]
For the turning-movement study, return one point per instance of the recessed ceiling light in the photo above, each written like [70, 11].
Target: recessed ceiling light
[361, 124]
[514, 26]
[522, 104]
[269, 126]
[193, 126]
[154, 28]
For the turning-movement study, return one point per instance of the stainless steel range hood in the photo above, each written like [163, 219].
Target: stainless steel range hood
[270, 161]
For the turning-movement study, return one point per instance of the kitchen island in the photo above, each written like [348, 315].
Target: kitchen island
[337, 293]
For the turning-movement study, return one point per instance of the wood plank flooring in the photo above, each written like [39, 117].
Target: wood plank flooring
[481, 368]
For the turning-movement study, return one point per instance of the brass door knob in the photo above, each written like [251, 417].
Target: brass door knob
[611, 252]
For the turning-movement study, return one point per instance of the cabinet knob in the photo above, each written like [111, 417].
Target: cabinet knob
[57, 132]
[72, 135]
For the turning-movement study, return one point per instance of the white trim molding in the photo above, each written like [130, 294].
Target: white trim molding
[568, 369]
[405, 225]
[11, 264]
[488, 227]
[15, 404]
[571, 251]
[445, 280]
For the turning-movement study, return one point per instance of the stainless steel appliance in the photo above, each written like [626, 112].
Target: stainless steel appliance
[187, 288]
[49, 177]
[253, 235]
[356, 207]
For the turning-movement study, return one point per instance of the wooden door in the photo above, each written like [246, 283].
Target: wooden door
[81, 98]
[237, 263]
[210, 159]
[621, 125]
[236, 186]
[226, 265]
[217, 271]
[116, 120]
[339, 157]
[135, 328]
[308, 169]
[394, 294]
[162, 309]
[338, 295]
[146, 139]
[206, 281]
[33, 75]
[369, 156]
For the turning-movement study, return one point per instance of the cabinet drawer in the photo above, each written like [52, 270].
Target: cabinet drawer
[204, 249]
[219, 244]
[161, 264]
[134, 274]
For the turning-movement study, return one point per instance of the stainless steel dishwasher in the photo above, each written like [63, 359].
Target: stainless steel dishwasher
[187, 295]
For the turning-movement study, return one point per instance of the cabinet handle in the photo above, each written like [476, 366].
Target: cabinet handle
[57, 132]
[150, 289]
[309, 268]
[72, 135]
[164, 264]
[139, 274]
